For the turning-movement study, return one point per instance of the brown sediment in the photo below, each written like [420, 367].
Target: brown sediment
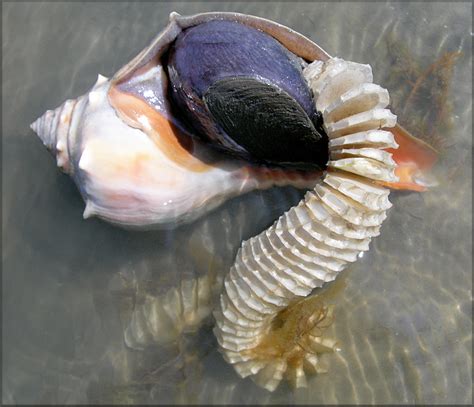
[298, 329]
[442, 68]
[423, 93]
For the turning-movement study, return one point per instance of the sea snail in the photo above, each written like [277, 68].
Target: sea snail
[217, 105]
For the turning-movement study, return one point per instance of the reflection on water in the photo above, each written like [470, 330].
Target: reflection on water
[71, 287]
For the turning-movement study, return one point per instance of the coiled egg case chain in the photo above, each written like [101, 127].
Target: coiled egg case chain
[315, 240]
[161, 319]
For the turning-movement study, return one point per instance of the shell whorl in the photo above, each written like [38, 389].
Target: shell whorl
[53, 129]
[315, 240]
[55, 126]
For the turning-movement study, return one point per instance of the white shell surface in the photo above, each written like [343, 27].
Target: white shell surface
[129, 178]
[313, 241]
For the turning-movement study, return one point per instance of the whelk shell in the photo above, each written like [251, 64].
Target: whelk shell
[135, 163]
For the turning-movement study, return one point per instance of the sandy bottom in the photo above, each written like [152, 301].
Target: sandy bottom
[403, 318]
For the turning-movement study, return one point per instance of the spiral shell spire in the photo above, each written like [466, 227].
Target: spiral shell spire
[52, 128]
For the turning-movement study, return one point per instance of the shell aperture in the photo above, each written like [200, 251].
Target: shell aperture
[243, 89]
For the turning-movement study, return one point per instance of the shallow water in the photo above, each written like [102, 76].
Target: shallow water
[403, 318]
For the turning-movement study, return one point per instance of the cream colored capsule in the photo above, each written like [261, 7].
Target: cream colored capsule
[371, 138]
[366, 96]
[371, 196]
[372, 119]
